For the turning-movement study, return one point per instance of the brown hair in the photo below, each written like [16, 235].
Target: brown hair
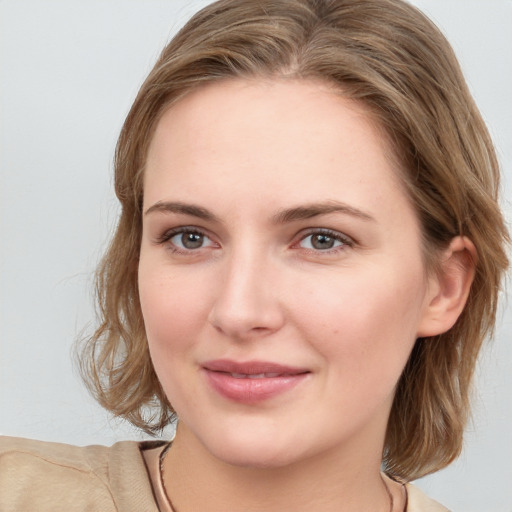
[389, 56]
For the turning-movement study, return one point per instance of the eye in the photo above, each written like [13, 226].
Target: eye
[189, 240]
[186, 239]
[324, 240]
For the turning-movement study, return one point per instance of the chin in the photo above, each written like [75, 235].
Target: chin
[251, 450]
[255, 459]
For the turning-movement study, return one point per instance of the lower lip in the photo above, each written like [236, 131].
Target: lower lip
[251, 391]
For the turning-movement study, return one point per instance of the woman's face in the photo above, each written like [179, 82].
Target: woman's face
[281, 276]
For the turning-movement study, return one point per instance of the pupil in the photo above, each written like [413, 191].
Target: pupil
[322, 242]
[192, 240]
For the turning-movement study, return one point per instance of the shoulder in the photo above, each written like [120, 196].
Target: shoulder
[36, 475]
[418, 501]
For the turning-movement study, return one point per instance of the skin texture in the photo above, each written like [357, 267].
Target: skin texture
[261, 285]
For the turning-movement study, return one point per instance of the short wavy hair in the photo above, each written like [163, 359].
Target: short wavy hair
[387, 55]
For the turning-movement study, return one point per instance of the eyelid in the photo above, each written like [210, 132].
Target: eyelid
[346, 240]
[168, 234]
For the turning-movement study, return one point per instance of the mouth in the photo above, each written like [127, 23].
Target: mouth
[253, 381]
[254, 375]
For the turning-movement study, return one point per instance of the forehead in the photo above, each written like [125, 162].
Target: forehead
[260, 136]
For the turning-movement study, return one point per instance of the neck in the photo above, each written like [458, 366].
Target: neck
[197, 480]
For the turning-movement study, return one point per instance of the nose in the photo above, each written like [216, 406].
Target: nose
[247, 303]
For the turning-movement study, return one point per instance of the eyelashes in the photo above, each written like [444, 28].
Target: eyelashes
[186, 239]
[191, 240]
[324, 240]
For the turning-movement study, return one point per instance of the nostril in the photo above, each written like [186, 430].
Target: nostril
[243, 306]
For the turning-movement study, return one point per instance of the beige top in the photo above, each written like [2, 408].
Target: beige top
[43, 477]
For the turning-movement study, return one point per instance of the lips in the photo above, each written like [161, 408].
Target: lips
[254, 375]
[253, 381]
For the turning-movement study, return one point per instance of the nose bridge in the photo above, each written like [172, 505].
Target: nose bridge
[246, 300]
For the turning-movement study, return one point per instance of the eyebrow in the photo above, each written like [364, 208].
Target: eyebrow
[183, 208]
[315, 209]
[297, 213]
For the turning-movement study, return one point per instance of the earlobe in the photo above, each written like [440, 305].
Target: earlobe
[449, 288]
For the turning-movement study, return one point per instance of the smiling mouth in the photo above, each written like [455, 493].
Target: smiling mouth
[254, 375]
[251, 382]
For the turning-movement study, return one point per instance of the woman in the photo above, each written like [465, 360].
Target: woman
[298, 272]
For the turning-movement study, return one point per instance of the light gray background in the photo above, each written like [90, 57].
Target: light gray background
[69, 71]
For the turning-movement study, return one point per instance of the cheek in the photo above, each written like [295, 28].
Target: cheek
[360, 319]
[173, 315]
[171, 306]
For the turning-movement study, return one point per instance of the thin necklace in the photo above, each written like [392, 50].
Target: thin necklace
[166, 494]
[403, 486]
[389, 493]
[174, 509]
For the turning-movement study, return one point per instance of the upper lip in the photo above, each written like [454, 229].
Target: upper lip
[251, 367]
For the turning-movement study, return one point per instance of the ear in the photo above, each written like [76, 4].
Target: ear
[448, 290]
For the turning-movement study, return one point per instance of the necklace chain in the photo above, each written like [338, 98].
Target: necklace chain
[161, 465]
[389, 493]
[174, 509]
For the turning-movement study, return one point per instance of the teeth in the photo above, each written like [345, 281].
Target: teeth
[254, 375]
